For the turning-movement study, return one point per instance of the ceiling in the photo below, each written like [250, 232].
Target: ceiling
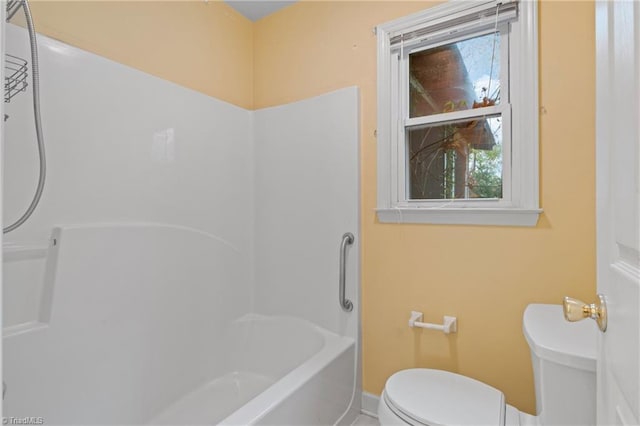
[255, 10]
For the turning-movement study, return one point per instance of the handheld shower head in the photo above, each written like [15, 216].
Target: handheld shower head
[12, 8]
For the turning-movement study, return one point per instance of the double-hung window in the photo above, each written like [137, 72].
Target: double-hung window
[458, 115]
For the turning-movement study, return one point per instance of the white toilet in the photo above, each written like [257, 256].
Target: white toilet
[564, 368]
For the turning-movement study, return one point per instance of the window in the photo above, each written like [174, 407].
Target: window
[458, 115]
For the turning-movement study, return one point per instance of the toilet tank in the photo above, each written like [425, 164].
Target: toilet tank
[564, 365]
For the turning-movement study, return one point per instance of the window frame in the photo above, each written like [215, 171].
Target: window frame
[519, 205]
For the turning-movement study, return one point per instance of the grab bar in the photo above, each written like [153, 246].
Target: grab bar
[345, 303]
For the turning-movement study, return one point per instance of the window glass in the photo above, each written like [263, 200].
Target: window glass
[455, 76]
[460, 160]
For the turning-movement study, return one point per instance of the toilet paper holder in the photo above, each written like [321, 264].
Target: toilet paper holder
[450, 323]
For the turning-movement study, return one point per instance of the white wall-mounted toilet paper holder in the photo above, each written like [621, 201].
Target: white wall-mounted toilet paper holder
[450, 323]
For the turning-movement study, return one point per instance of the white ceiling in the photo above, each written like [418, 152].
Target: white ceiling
[255, 10]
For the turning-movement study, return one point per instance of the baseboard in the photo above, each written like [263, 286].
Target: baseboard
[370, 404]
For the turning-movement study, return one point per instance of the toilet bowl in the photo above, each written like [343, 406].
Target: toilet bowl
[564, 364]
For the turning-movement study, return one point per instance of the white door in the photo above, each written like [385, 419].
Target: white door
[618, 208]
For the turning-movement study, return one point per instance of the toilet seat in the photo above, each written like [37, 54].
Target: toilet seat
[434, 397]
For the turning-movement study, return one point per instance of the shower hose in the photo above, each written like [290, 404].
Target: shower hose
[35, 74]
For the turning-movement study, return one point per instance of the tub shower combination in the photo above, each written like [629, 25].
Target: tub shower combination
[190, 262]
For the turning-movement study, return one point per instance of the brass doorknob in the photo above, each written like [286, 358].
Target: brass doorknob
[576, 310]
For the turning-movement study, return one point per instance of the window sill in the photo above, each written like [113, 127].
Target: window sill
[461, 216]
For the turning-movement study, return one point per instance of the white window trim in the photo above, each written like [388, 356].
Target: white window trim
[522, 209]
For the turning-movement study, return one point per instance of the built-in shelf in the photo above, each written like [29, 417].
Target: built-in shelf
[25, 250]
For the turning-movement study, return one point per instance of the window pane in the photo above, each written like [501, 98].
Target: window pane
[456, 76]
[455, 160]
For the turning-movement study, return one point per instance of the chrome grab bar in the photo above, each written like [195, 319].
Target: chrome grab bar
[347, 239]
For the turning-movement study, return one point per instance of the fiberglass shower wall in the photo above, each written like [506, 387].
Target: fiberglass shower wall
[122, 147]
[109, 323]
[307, 197]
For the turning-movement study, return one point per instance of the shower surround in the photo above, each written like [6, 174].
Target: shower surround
[185, 249]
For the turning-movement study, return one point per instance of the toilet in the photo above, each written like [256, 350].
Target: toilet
[564, 369]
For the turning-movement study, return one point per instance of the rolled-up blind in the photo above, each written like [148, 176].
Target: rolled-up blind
[441, 23]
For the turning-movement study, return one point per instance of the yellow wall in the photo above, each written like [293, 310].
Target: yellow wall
[483, 275]
[207, 47]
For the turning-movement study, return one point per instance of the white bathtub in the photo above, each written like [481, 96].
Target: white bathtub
[284, 371]
[149, 324]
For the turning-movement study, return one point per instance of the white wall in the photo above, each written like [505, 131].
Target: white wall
[307, 197]
[122, 146]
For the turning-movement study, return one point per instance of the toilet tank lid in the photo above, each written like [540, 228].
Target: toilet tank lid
[552, 338]
[436, 397]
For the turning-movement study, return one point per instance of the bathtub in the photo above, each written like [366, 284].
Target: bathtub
[284, 371]
[149, 324]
